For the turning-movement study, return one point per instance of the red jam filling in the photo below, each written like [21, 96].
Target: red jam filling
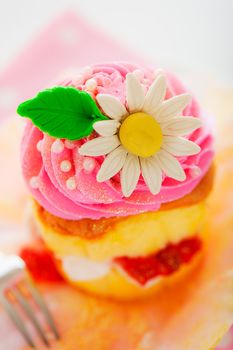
[41, 264]
[163, 263]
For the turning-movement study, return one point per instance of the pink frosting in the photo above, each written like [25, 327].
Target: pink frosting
[91, 199]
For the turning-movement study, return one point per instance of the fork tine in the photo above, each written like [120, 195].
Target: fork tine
[15, 317]
[26, 307]
[41, 303]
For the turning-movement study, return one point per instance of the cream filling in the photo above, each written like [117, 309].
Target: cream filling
[82, 269]
[79, 269]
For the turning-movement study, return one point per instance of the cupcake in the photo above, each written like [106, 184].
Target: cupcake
[119, 163]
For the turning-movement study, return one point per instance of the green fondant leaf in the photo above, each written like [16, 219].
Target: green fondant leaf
[62, 112]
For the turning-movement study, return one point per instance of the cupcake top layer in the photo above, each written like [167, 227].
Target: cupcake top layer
[130, 141]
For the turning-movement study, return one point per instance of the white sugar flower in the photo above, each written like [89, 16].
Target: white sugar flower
[143, 138]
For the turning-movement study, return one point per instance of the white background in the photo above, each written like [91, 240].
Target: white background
[193, 34]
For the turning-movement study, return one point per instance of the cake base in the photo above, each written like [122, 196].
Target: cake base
[102, 241]
[118, 287]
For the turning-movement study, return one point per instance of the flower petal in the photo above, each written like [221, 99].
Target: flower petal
[155, 95]
[134, 93]
[173, 106]
[130, 174]
[111, 106]
[106, 127]
[151, 173]
[170, 165]
[179, 126]
[99, 146]
[179, 146]
[112, 164]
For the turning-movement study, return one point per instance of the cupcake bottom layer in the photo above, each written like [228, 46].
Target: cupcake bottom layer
[128, 257]
[116, 283]
[110, 264]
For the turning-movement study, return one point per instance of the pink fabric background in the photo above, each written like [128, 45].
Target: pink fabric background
[68, 43]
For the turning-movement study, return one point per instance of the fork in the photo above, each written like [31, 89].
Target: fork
[18, 291]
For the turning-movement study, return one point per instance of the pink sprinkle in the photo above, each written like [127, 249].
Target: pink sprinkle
[89, 164]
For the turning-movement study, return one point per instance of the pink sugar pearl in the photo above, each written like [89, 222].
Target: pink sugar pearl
[39, 145]
[195, 171]
[34, 182]
[69, 144]
[89, 164]
[91, 84]
[57, 146]
[71, 183]
[65, 166]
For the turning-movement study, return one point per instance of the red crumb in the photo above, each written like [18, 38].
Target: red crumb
[164, 262]
[41, 264]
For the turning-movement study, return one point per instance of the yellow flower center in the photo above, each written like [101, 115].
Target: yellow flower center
[141, 135]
